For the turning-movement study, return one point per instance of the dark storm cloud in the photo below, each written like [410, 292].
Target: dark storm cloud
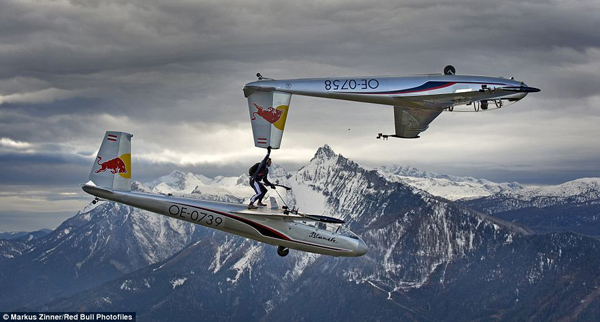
[56, 40]
[179, 60]
[165, 59]
[44, 168]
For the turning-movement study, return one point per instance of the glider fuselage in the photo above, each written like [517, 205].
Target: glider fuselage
[417, 100]
[426, 91]
[270, 226]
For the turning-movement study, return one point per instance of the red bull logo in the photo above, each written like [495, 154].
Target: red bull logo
[270, 114]
[116, 165]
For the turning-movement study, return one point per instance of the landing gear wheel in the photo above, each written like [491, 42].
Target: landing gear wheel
[484, 105]
[283, 251]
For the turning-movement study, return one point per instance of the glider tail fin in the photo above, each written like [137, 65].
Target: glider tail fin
[268, 113]
[112, 166]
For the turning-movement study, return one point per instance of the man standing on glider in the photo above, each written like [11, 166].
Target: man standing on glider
[258, 173]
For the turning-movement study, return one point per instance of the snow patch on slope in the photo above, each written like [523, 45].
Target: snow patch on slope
[178, 282]
[252, 255]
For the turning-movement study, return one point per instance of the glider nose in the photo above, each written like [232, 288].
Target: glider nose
[362, 248]
[521, 89]
[528, 89]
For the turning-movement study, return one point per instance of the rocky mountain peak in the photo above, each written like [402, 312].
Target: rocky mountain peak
[325, 152]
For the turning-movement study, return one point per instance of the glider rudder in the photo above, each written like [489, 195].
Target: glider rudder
[268, 113]
[112, 166]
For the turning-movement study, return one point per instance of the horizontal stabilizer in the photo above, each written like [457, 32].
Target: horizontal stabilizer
[279, 213]
[326, 219]
[409, 122]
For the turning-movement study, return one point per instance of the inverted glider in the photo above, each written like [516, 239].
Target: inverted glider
[417, 100]
[110, 179]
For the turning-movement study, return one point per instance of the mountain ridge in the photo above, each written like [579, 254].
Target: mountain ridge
[429, 259]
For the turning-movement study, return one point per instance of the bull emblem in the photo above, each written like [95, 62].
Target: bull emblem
[270, 114]
[115, 165]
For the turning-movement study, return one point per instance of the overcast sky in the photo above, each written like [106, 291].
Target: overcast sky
[172, 72]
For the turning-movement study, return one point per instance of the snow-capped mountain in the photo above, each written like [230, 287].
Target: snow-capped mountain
[585, 190]
[572, 206]
[447, 186]
[429, 259]
[178, 182]
[198, 186]
[576, 191]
